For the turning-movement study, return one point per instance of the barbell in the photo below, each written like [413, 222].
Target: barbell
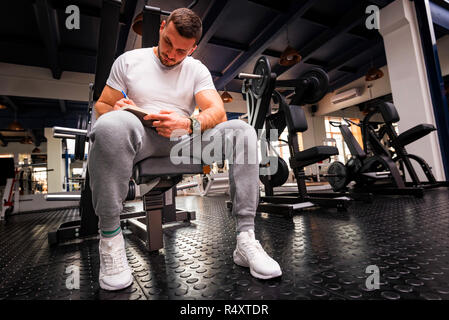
[259, 78]
[310, 87]
[79, 134]
[81, 131]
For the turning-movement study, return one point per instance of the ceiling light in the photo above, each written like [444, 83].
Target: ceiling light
[374, 74]
[226, 97]
[290, 57]
[137, 24]
[27, 140]
[15, 126]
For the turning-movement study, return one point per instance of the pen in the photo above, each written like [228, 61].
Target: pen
[124, 94]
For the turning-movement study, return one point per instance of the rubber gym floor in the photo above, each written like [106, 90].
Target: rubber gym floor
[324, 254]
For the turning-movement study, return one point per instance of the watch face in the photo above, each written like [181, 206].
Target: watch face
[196, 124]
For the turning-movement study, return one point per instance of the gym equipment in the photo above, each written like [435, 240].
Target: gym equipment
[8, 198]
[259, 89]
[214, 182]
[156, 177]
[258, 86]
[376, 173]
[373, 137]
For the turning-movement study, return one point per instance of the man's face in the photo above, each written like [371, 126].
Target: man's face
[172, 47]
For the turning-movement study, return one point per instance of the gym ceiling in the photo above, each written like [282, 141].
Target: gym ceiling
[327, 33]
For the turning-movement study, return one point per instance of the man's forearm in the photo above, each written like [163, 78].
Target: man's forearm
[102, 108]
[210, 117]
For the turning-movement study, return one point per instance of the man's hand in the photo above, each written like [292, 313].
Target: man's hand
[167, 121]
[123, 103]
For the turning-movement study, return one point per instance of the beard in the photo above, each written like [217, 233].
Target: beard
[161, 58]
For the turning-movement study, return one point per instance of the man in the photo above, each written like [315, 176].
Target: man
[169, 83]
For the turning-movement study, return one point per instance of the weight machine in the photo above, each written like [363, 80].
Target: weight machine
[382, 168]
[259, 90]
[376, 173]
[373, 136]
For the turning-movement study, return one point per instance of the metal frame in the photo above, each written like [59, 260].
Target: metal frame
[434, 77]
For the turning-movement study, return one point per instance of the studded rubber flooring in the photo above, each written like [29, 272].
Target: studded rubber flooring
[323, 255]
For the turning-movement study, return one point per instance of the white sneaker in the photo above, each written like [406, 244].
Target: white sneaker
[249, 253]
[115, 273]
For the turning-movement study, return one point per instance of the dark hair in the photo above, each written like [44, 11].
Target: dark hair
[187, 23]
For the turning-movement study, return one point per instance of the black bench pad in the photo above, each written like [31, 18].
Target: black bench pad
[414, 134]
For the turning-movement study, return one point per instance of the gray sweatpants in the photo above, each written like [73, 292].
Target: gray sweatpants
[119, 140]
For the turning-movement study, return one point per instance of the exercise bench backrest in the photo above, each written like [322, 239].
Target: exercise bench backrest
[389, 112]
[354, 147]
[296, 119]
[294, 115]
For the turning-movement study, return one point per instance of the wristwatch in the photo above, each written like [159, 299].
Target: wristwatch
[195, 125]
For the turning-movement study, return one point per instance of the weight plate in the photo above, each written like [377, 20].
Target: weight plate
[131, 191]
[278, 178]
[337, 176]
[318, 85]
[263, 68]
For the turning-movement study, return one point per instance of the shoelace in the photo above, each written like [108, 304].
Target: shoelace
[114, 261]
[253, 247]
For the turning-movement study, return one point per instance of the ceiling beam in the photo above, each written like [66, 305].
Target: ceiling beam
[278, 6]
[314, 17]
[49, 31]
[350, 20]
[315, 62]
[379, 62]
[272, 53]
[267, 35]
[241, 47]
[215, 16]
[348, 69]
[353, 53]
[228, 44]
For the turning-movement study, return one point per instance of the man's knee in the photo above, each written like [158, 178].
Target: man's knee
[115, 123]
[243, 128]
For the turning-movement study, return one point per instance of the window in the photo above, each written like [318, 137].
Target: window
[24, 158]
[40, 180]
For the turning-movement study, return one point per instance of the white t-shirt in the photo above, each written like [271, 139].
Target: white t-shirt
[153, 86]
